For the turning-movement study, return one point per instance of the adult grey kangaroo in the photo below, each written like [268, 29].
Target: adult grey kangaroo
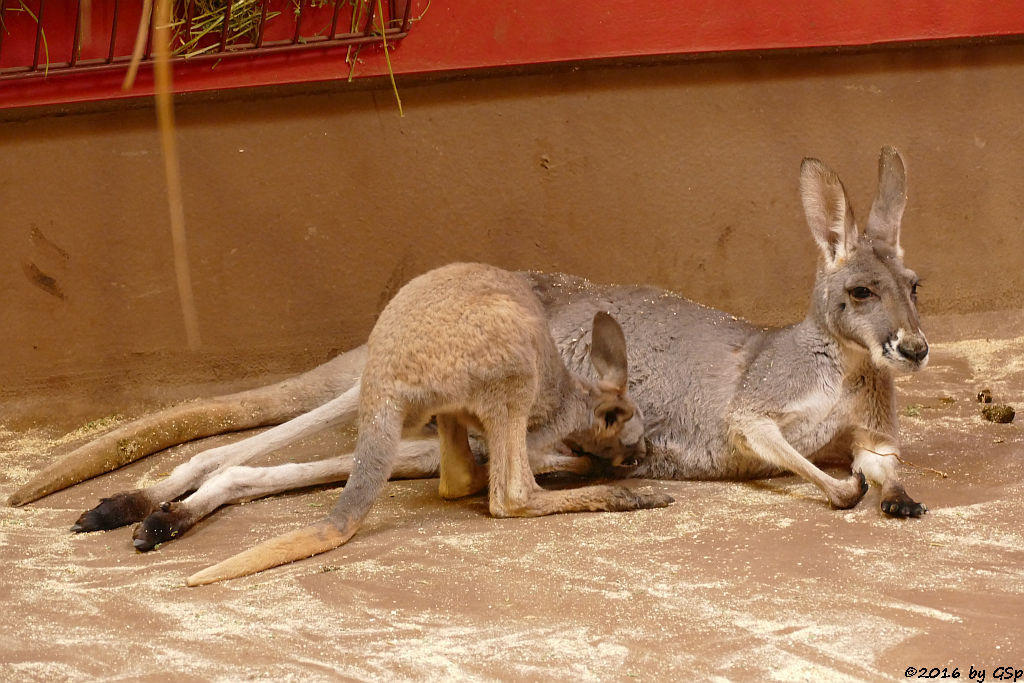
[721, 399]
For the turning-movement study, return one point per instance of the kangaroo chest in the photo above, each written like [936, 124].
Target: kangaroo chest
[812, 420]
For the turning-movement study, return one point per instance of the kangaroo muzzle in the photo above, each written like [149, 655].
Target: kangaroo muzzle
[914, 349]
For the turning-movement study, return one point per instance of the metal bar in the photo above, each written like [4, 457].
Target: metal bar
[113, 32]
[298, 21]
[39, 36]
[149, 37]
[263, 23]
[3, 7]
[334, 19]
[407, 16]
[369, 18]
[227, 24]
[76, 41]
[244, 50]
[190, 10]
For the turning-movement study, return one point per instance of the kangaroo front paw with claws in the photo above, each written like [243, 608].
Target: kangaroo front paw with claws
[163, 525]
[114, 512]
[902, 505]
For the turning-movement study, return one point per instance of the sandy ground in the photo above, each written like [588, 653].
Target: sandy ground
[735, 581]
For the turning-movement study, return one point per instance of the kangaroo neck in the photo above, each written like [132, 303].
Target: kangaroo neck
[559, 407]
[818, 333]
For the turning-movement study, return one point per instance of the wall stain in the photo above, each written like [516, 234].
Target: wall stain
[43, 281]
[41, 241]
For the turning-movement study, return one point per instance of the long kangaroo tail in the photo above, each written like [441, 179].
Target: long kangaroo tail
[376, 448]
[268, 405]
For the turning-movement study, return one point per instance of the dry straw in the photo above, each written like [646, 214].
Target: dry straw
[208, 21]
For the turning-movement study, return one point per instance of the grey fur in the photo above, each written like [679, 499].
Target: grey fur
[720, 398]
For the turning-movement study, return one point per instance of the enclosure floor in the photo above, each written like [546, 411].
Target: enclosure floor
[743, 581]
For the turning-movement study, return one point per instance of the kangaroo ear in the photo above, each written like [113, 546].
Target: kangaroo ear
[613, 414]
[608, 351]
[828, 211]
[887, 209]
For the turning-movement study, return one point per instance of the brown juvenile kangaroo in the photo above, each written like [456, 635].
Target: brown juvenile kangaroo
[469, 344]
[721, 399]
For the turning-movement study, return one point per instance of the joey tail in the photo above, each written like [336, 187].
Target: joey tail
[376, 447]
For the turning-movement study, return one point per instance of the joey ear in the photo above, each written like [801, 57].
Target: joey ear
[613, 414]
[887, 209]
[608, 351]
[828, 211]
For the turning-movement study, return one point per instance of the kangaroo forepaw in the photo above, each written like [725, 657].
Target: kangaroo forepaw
[902, 505]
[163, 525]
[116, 511]
[855, 488]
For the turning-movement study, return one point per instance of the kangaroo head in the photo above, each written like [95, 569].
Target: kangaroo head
[616, 429]
[864, 295]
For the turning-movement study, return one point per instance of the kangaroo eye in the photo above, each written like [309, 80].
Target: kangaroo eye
[860, 293]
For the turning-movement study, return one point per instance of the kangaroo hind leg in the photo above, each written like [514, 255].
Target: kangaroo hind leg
[133, 506]
[515, 492]
[416, 459]
[461, 474]
[760, 437]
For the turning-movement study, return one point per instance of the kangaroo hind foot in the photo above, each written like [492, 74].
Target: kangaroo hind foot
[119, 510]
[168, 522]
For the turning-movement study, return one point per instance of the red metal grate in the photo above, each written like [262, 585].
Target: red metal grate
[40, 38]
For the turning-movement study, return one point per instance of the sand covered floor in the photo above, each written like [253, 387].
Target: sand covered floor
[735, 581]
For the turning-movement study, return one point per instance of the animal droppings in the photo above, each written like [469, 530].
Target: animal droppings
[998, 413]
[985, 396]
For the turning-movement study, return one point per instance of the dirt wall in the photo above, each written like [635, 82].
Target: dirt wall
[307, 207]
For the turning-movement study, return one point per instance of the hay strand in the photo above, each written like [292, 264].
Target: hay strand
[165, 120]
[140, 45]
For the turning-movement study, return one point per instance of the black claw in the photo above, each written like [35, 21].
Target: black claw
[863, 483]
[904, 507]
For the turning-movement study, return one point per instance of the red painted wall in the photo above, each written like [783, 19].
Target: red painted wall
[463, 34]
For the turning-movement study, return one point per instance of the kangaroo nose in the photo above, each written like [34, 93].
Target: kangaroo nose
[914, 349]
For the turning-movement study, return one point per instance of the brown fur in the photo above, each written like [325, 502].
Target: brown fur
[469, 343]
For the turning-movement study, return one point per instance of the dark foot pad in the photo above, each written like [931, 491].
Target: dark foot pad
[163, 525]
[116, 511]
[902, 505]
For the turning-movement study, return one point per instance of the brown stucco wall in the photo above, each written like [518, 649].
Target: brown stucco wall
[307, 207]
